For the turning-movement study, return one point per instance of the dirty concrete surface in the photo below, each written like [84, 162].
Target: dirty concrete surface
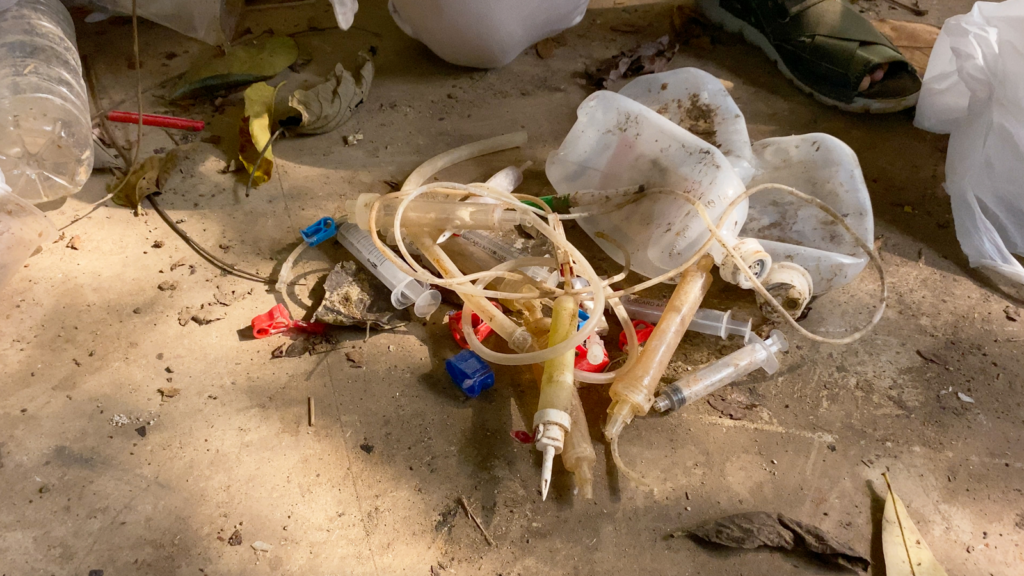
[373, 488]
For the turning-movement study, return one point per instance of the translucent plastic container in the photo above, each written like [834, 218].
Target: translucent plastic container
[698, 102]
[619, 143]
[46, 146]
[405, 290]
[793, 231]
[23, 228]
[757, 354]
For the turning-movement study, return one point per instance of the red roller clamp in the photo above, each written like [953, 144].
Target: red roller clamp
[643, 332]
[277, 320]
[480, 328]
[584, 365]
[154, 120]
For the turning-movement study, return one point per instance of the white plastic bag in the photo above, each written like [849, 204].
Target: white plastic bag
[484, 33]
[974, 91]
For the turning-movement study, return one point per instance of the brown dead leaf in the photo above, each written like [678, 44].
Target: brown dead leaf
[168, 392]
[546, 48]
[75, 243]
[141, 181]
[167, 286]
[933, 357]
[226, 297]
[914, 39]
[755, 529]
[644, 59]
[185, 314]
[207, 315]
[329, 105]
[179, 263]
[1012, 312]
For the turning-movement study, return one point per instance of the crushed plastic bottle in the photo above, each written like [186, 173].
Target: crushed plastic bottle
[46, 147]
[23, 228]
[405, 290]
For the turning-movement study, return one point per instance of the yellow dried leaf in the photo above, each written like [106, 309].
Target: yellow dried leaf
[906, 553]
[139, 183]
[255, 132]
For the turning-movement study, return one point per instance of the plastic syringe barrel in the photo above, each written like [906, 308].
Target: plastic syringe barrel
[705, 321]
[442, 214]
[405, 290]
[757, 354]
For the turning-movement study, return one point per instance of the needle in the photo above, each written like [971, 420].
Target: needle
[545, 471]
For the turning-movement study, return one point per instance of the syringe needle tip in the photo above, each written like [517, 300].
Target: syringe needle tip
[545, 472]
[544, 484]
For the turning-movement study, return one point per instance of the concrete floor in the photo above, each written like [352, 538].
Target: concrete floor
[372, 488]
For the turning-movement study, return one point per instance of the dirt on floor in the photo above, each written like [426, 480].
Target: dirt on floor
[133, 444]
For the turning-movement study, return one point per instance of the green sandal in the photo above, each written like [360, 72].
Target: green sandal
[827, 49]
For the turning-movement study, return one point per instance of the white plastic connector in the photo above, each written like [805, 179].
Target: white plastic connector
[791, 285]
[550, 427]
[754, 257]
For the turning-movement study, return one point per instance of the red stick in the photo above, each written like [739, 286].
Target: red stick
[158, 121]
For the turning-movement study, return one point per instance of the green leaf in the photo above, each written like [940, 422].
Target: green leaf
[241, 66]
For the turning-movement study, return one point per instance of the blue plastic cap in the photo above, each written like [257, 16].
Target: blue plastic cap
[470, 373]
[583, 317]
[319, 231]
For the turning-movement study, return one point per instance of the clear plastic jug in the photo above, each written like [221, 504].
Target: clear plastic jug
[619, 143]
[23, 228]
[46, 146]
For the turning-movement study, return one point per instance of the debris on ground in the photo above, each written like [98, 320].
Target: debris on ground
[366, 447]
[1012, 312]
[158, 244]
[755, 529]
[240, 66]
[355, 357]
[75, 243]
[647, 58]
[733, 404]
[469, 512]
[965, 397]
[255, 133]
[355, 298]
[235, 539]
[141, 431]
[691, 28]
[351, 139]
[227, 297]
[183, 261]
[332, 103]
[904, 549]
[260, 546]
[141, 181]
[167, 286]
[168, 392]
[202, 315]
[546, 48]
[118, 420]
[933, 357]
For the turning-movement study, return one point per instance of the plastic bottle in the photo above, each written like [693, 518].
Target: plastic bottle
[552, 421]
[633, 391]
[757, 354]
[618, 143]
[405, 290]
[23, 228]
[446, 214]
[705, 321]
[46, 147]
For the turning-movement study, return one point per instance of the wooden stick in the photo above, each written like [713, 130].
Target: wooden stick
[312, 412]
[465, 506]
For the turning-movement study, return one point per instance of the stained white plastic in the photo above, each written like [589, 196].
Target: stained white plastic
[484, 33]
[793, 231]
[23, 228]
[705, 321]
[817, 164]
[619, 143]
[46, 147]
[405, 290]
[679, 94]
[974, 91]
[756, 354]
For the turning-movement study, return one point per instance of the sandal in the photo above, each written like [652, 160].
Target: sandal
[827, 49]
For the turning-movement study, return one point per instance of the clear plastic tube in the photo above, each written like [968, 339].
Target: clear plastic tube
[705, 321]
[441, 214]
[757, 354]
[285, 276]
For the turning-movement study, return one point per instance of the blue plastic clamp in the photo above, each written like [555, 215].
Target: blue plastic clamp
[583, 317]
[470, 373]
[322, 229]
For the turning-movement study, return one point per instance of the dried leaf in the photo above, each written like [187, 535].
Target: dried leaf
[241, 66]
[185, 314]
[329, 105]
[644, 59]
[914, 39]
[167, 285]
[754, 529]
[932, 357]
[1012, 313]
[226, 297]
[140, 182]
[355, 357]
[207, 315]
[254, 133]
[75, 243]
[906, 553]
